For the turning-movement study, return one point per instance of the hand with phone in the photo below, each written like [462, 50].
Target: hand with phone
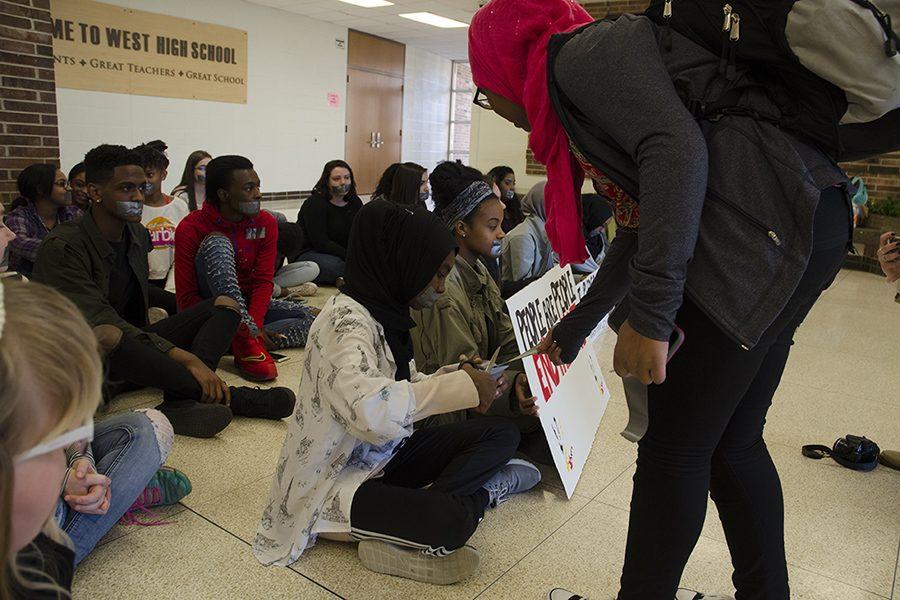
[889, 256]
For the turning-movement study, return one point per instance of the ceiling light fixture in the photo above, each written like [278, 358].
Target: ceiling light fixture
[368, 3]
[433, 20]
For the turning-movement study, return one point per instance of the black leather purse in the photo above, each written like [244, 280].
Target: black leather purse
[853, 451]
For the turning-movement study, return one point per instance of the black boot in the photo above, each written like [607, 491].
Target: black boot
[195, 419]
[271, 403]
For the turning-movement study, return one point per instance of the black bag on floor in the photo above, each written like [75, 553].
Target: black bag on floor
[853, 451]
[831, 66]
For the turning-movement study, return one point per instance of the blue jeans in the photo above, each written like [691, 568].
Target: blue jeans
[126, 451]
[330, 266]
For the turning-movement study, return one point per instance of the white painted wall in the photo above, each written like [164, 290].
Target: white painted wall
[426, 108]
[286, 128]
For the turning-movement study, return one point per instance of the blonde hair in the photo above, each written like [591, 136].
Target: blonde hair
[46, 336]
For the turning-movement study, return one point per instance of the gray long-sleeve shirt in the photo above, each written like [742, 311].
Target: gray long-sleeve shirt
[636, 104]
[622, 102]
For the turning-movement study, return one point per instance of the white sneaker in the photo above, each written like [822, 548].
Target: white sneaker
[686, 594]
[561, 594]
[303, 290]
[156, 314]
[515, 477]
[389, 559]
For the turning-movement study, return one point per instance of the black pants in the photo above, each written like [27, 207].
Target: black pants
[705, 436]
[454, 461]
[162, 298]
[204, 330]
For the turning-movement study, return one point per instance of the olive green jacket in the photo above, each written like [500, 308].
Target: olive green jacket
[468, 319]
[76, 260]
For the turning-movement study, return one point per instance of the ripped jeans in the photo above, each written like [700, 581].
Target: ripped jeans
[128, 448]
[217, 276]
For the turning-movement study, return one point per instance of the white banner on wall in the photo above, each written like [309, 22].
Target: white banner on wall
[572, 398]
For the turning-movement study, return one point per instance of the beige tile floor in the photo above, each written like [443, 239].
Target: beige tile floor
[842, 527]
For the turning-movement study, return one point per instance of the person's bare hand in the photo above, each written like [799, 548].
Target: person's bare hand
[640, 357]
[86, 490]
[214, 390]
[271, 339]
[527, 401]
[488, 388]
[889, 256]
[75, 484]
[549, 347]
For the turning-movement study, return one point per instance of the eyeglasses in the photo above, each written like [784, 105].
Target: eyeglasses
[83, 433]
[481, 100]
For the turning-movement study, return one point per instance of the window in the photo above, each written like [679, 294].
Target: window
[461, 92]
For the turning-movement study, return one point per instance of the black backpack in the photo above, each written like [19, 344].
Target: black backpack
[831, 66]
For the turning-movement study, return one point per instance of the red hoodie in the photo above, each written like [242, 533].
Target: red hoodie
[254, 240]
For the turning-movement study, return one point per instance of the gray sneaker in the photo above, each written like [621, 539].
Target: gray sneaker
[686, 594]
[389, 559]
[515, 477]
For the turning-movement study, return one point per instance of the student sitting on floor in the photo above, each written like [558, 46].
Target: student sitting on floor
[161, 216]
[351, 466]
[100, 263]
[505, 180]
[192, 187]
[227, 249]
[326, 218]
[293, 277]
[44, 202]
[596, 215]
[6, 236]
[41, 413]
[469, 318]
[78, 187]
[386, 183]
[408, 186]
[526, 253]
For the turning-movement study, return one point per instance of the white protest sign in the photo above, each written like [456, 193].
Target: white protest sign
[571, 398]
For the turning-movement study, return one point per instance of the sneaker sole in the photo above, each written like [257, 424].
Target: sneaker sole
[251, 377]
[382, 557]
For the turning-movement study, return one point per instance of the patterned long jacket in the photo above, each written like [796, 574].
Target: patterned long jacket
[350, 418]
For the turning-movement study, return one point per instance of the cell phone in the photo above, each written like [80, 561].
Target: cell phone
[675, 342]
[279, 358]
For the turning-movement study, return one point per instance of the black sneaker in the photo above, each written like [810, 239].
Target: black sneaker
[271, 403]
[195, 419]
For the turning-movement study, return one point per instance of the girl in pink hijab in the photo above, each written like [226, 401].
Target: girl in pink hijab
[598, 99]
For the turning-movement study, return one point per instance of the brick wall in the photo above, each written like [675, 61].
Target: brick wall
[881, 174]
[28, 128]
[598, 10]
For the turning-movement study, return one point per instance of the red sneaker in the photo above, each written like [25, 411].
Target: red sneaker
[252, 360]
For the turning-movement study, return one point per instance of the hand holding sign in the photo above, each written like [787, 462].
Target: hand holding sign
[549, 347]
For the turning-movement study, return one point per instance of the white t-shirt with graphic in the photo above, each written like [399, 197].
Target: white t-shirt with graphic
[161, 222]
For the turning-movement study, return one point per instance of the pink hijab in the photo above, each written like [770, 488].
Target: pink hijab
[508, 53]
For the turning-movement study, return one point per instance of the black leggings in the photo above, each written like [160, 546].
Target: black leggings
[205, 330]
[454, 461]
[705, 436]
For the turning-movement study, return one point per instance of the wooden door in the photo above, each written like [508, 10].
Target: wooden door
[374, 107]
